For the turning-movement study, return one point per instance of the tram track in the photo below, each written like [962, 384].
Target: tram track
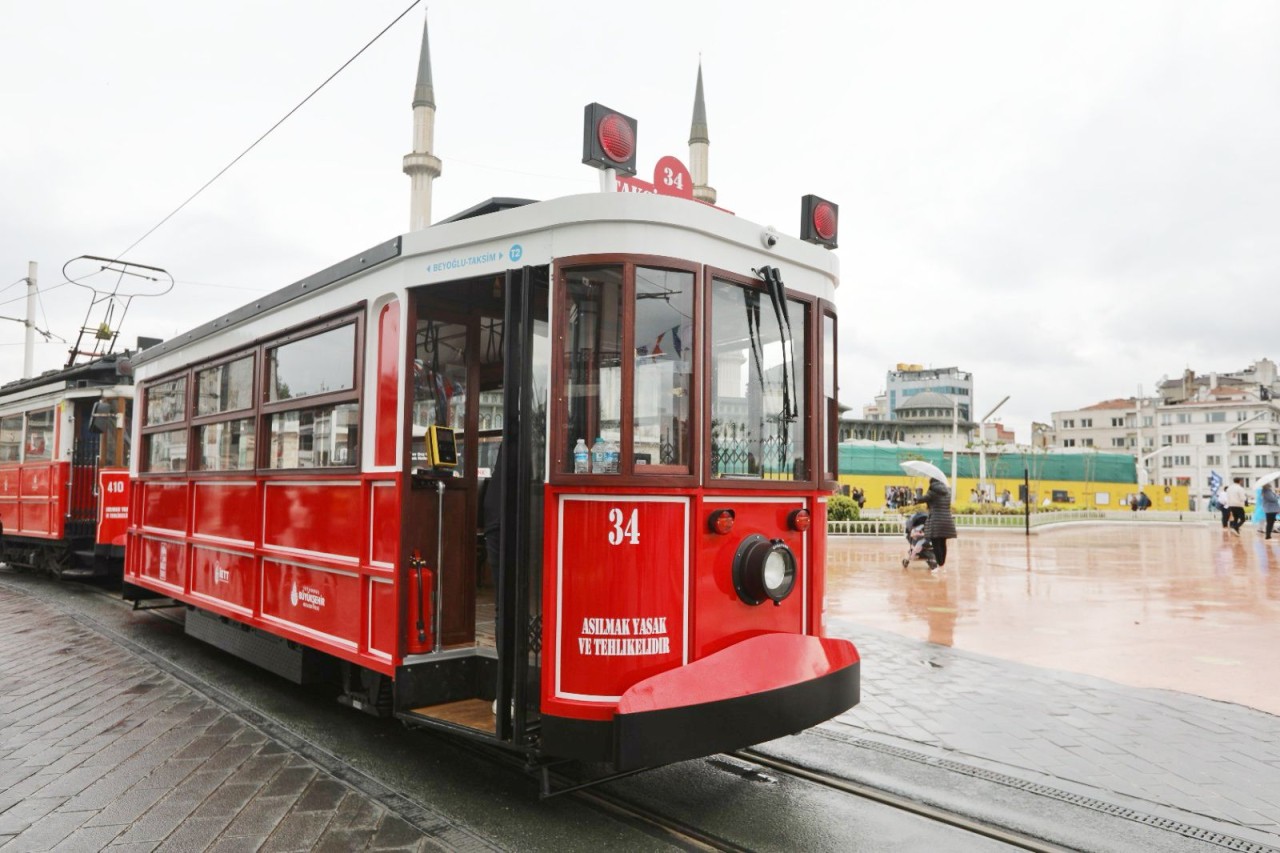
[901, 803]
[679, 833]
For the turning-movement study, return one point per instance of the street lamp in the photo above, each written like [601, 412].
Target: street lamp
[982, 448]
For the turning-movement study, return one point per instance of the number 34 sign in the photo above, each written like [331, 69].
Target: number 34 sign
[670, 177]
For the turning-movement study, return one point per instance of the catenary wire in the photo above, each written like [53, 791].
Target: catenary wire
[269, 131]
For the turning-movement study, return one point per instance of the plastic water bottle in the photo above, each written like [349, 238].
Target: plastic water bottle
[581, 458]
[598, 453]
[611, 457]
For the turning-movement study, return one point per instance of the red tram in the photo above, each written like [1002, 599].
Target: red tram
[616, 392]
[64, 476]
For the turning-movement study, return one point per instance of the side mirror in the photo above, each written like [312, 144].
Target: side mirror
[102, 418]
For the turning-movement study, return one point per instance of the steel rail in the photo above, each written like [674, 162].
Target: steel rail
[934, 813]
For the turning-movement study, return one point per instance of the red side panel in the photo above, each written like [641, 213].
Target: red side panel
[164, 505]
[384, 526]
[382, 623]
[755, 665]
[318, 602]
[113, 506]
[387, 426]
[41, 494]
[226, 511]
[226, 578]
[319, 517]
[620, 592]
[163, 563]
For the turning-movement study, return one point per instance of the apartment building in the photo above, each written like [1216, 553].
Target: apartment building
[1193, 427]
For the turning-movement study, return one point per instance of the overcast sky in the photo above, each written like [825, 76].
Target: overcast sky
[1069, 200]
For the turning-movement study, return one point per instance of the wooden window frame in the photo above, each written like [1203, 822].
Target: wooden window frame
[261, 409]
[560, 455]
[807, 373]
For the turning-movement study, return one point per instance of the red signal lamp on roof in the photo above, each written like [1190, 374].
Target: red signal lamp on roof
[609, 139]
[819, 221]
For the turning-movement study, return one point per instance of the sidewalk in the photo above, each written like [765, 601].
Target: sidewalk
[100, 750]
[1161, 757]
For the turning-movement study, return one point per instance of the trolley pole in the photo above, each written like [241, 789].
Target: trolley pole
[29, 340]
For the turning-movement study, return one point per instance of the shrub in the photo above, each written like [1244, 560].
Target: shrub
[841, 508]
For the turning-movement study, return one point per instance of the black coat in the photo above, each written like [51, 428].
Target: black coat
[941, 524]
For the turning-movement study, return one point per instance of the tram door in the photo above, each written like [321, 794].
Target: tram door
[481, 364]
[82, 503]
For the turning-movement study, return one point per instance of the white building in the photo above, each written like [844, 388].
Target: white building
[1194, 427]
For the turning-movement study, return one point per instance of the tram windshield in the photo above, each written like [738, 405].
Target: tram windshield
[757, 425]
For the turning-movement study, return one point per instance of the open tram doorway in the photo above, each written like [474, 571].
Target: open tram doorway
[480, 365]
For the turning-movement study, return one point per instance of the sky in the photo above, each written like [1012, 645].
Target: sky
[1069, 200]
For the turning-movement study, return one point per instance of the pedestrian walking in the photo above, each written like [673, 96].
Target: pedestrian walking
[1237, 500]
[941, 526]
[1270, 503]
[1222, 505]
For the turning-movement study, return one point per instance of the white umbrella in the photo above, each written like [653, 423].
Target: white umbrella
[923, 469]
[1269, 478]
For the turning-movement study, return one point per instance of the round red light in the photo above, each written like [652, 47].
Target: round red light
[824, 221]
[800, 520]
[616, 138]
[721, 521]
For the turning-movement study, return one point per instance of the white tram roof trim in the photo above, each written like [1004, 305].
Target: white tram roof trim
[595, 223]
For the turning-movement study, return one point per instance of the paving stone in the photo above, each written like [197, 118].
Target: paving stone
[88, 838]
[195, 834]
[51, 831]
[322, 795]
[259, 817]
[298, 831]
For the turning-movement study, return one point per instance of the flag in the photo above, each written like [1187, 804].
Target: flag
[1215, 481]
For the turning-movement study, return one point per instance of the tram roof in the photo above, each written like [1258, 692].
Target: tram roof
[504, 216]
[110, 369]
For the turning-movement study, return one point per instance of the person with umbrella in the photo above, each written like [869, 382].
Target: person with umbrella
[941, 526]
[1270, 505]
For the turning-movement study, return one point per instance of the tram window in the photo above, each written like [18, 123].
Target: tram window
[592, 357]
[663, 383]
[166, 451]
[225, 388]
[226, 446]
[38, 445]
[11, 438]
[319, 437]
[319, 364]
[166, 401]
[757, 416]
[439, 383]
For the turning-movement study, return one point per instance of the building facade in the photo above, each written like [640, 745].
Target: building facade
[1193, 428]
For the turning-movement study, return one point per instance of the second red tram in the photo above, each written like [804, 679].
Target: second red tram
[550, 474]
[64, 476]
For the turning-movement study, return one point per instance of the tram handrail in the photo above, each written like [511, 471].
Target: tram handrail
[893, 525]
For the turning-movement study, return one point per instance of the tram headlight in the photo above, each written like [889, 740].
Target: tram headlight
[763, 570]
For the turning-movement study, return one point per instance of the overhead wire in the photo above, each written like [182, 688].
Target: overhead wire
[269, 131]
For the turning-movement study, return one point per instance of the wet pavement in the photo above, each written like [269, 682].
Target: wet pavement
[1181, 606]
[1123, 666]
[1106, 686]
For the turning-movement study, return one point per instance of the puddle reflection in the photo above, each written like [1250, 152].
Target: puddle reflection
[1184, 607]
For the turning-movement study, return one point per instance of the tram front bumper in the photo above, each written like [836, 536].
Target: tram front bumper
[759, 689]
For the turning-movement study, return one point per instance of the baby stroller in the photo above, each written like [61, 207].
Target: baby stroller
[921, 548]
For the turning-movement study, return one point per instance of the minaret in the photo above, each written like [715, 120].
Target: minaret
[698, 145]
[421, 165]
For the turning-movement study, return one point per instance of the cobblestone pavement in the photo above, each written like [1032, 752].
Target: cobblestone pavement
[1159, 750]
[99, 750]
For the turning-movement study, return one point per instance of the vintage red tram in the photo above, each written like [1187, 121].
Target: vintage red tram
[64, 477]
[318, 472]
